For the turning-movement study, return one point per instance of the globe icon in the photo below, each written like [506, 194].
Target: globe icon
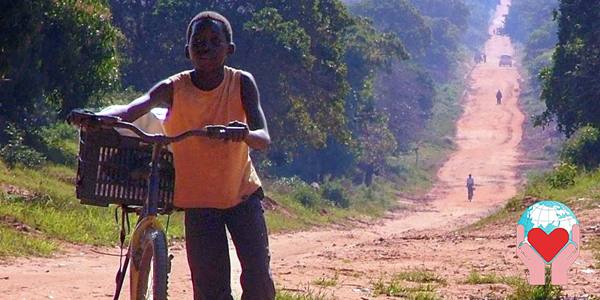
[548, 215]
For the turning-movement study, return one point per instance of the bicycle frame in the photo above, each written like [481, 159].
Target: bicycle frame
[148, 231]
[148, 221]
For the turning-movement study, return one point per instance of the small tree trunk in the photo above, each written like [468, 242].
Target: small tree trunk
[369, 172]
[416, 157]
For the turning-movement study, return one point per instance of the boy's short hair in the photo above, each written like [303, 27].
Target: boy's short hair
[211, 15]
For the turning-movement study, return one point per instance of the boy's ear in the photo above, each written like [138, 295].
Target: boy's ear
[187, 51]
[231, 49]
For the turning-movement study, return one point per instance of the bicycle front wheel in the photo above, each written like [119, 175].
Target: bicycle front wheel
[153, 277]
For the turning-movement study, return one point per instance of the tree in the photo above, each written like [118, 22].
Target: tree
[530, 22]
[406, 96]
[377, 144]
[571, 86]
[403, 91]
[401, 18]
[447, 20]
[528, 15]
[55, 56]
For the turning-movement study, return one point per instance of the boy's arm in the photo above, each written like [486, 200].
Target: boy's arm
[258, 135]
[159, 95]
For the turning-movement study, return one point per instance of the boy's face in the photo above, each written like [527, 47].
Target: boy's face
[208, 46]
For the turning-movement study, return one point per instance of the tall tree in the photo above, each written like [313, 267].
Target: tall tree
[54, 56]
[401, 18]
[571, 86]
[525, 16]
[403, 93]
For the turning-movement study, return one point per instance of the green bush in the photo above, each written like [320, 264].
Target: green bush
[306, 195]
[335, 192]
[563, 176]
[286, 185]
[60, 143]
[583, 148]
[523, 290]
[16, 152]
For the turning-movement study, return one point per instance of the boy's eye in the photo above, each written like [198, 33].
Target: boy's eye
[197, 44]
[213, 42]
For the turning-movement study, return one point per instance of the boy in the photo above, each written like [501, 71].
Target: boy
[216, 182]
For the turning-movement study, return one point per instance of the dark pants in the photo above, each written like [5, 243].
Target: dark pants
[208, 251]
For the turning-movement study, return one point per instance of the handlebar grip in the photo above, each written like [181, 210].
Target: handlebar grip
[222, 132]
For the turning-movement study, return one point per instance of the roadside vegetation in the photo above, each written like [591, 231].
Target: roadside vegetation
[327, 281]
[521, 289]
[411, 284]
[308, 294]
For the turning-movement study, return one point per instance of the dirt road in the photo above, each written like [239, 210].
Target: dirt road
[487, 137]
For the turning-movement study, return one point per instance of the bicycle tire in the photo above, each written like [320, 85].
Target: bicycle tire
[153, 265]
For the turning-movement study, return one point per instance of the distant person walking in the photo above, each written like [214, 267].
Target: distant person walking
[499, 97]
[470, 187]
[484, 58]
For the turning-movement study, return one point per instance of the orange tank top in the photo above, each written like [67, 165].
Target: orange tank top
[209, 173]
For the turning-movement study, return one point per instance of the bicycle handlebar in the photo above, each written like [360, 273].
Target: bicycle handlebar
[89, 119]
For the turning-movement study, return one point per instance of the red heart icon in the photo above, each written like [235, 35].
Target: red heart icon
[548, 245]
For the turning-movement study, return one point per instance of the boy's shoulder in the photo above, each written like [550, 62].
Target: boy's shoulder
[247, 80]
[179, 76]
[243, 73]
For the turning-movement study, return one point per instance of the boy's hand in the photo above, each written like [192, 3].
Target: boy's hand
[236, 131]
[78, 116]
[89, 120]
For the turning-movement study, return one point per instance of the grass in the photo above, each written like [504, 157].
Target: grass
[14, 243]
[327, 281]
[521, 288]
[396, 288]
[308, 294]
[45, 200]
[411, 284]
[491, 278]
[365, 201]
[420, 276]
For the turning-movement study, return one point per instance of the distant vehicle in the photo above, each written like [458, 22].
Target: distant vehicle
[505, 60]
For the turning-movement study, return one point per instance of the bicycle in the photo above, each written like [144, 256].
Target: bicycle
[105, 176]
[470, 189]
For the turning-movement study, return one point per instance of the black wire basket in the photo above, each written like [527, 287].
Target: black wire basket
[114, 169]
